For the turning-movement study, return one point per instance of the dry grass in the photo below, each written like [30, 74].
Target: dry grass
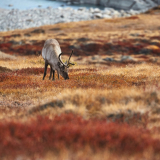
[90, 90]
[115, 93]
[4, 56]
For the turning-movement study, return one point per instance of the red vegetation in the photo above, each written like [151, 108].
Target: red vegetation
[118, 47]
[128, 47]
[73, 132]
[91, 47]
[155, 37]
[84, 69]
[20, 79]
[81, 48]
[5, 45]
[27, 49]
[65, 47]
[84, 46]
[156, 52]
[12, 81]
[34, 49]
[29, 71]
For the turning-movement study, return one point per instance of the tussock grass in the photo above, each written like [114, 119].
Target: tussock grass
[4, 56]
[100, 90]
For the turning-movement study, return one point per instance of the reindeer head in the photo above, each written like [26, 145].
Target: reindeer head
[64, 66]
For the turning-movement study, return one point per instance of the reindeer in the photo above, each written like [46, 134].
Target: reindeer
[51, 53]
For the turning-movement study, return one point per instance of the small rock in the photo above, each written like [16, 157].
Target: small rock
[49, 7]
[133, 12]
[145, 51]
[107, 12]
[81, 9]
[97, 10]
[98, 15]
[14, 42]
[74, 46]
[91, 10]
[110, 9]
[38, 31]
[115, 14]
[106, 16]
[108, 59]
[134, 34]
[122, 12]
[126, 58]
[60, 8]
[96, 57]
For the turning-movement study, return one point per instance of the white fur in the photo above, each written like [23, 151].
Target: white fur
[50, 53]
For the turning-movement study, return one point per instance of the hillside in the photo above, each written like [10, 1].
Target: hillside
[108, 109]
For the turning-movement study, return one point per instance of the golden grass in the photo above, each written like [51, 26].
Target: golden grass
[4, 56]
[123, 89]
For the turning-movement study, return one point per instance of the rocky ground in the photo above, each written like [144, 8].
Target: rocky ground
[16, 19]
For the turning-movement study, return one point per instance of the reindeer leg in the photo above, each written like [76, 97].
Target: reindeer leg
[53, 75]
[50, 72]
[58, 74]
[45, 69]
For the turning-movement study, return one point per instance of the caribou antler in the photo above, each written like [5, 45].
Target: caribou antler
[69, 59]
[68, 63]
[70, 56]
[60, 59]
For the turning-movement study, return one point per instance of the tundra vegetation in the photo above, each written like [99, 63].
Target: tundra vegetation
[108, 109]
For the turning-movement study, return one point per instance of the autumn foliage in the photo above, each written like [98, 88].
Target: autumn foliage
[72, 132]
